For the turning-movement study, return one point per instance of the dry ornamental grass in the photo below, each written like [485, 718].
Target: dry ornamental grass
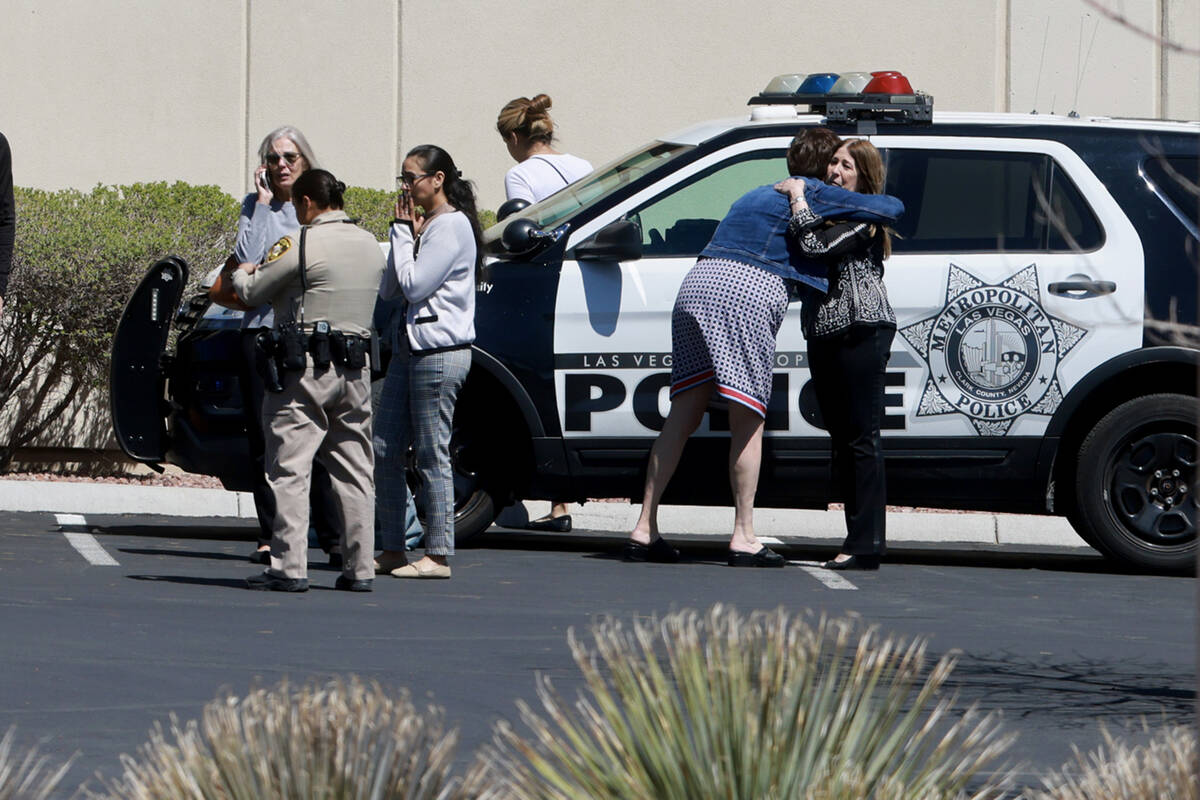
[1163, 768]
[745, 708]
[346, 740]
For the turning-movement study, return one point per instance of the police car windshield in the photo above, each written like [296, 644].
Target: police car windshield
[594, 187]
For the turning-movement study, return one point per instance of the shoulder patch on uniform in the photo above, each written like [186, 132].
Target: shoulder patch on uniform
[279, 248]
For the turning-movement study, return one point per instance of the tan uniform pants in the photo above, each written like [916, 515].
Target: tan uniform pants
[325, 411]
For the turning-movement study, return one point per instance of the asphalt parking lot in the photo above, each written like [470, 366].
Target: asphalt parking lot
[96, 653]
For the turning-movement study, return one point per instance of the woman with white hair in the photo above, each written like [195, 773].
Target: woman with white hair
[267, 215]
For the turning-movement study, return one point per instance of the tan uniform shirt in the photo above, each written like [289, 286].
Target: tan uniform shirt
[344, 264]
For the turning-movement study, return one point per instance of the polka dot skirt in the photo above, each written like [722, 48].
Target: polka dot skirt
[723, 329]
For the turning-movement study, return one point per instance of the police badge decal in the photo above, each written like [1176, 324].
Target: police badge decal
[992, 351]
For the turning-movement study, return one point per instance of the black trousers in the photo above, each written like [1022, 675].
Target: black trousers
[848, 376]
[323, 504]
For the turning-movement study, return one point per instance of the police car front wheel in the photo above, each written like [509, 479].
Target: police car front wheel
[1136, 485]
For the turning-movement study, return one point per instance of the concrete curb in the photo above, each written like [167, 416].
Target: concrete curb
[785, 524]
[65, 497]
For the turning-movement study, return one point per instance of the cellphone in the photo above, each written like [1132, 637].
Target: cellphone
[264, 181]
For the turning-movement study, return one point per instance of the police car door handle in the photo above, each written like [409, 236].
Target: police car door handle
[1082, 289]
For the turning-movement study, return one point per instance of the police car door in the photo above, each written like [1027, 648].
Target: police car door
[1014, 274]
[612, 330]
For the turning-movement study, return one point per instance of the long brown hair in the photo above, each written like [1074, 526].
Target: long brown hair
[871, 178]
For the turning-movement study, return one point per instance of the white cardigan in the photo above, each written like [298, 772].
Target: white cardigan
[439, 283]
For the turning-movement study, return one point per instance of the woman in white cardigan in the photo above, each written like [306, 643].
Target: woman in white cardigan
[436, 250]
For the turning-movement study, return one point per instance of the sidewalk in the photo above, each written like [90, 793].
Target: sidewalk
[1011, 531]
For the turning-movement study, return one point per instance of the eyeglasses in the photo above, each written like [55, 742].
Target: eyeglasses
[273, 158]
[408, 179]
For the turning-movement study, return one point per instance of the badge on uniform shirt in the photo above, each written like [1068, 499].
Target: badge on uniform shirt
[279, 248]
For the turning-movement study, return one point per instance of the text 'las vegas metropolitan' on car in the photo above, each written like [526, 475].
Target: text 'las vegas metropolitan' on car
[1044, 279]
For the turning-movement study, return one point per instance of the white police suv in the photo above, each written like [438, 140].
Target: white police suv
[1044, 279]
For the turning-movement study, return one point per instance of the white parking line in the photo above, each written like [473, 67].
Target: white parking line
[85, 543]
[832, 580]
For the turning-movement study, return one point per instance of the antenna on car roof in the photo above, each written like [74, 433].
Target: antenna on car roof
[1041, 62]
[1080, 68]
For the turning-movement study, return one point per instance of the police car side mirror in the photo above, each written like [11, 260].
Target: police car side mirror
[617, 241]
[510, 207]
[522, 236]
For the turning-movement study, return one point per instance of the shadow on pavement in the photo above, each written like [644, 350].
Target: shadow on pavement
[1076, 692]
[228, 583]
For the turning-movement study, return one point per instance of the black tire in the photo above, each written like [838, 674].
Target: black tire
[1135, 489]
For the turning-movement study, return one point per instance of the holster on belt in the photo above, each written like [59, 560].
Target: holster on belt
[267, 347]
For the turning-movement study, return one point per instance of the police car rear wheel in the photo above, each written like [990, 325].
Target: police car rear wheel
[474, 507]
[1136, 483]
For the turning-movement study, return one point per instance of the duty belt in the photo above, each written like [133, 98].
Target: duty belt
[288, 349]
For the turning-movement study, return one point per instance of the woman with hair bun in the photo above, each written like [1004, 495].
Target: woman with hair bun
[528, 132]
[437, 246]
[321, 283]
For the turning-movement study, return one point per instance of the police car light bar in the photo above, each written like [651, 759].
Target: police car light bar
[850, 97]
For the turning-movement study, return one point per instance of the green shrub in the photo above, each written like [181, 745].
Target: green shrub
[373, 208]
[78, 257]
[749, 708]
[28, 777]
[346, 740]
[1164, 768]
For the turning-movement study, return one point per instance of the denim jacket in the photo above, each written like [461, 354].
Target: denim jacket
[755, 229]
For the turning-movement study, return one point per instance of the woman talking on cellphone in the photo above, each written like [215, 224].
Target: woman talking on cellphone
[436, 250]
[266, 216]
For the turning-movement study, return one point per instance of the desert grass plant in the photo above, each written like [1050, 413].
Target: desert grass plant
[28, 776]
[746, 708]
[1165, 767]
[345, 740]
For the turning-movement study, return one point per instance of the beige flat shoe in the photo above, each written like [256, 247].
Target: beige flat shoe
[387, 565]
[415, 571]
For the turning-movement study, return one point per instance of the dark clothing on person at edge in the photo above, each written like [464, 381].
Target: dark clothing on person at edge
[8, 214]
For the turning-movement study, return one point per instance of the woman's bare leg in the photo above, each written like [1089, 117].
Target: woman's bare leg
[745, 459]
[687, 409]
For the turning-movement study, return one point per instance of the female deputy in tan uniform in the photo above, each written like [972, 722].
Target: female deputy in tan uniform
[322, 284]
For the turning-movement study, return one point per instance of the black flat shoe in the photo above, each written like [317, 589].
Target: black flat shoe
[260, 557]
[551, 524]
[353, 585]
[657, 551]
[266, 582]
[853, 562]
[763, 558]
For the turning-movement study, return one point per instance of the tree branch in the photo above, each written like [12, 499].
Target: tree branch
[1121, 19]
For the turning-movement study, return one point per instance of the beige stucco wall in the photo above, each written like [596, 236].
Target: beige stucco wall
[115, 91]
[625, 71]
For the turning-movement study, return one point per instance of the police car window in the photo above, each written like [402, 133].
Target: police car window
[586, 191]
[681, 220]
[1071, 225]
[979, 202]
[1177, 179]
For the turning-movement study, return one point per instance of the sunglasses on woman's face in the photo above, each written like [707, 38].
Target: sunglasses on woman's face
[408, 179]
[273, 158]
